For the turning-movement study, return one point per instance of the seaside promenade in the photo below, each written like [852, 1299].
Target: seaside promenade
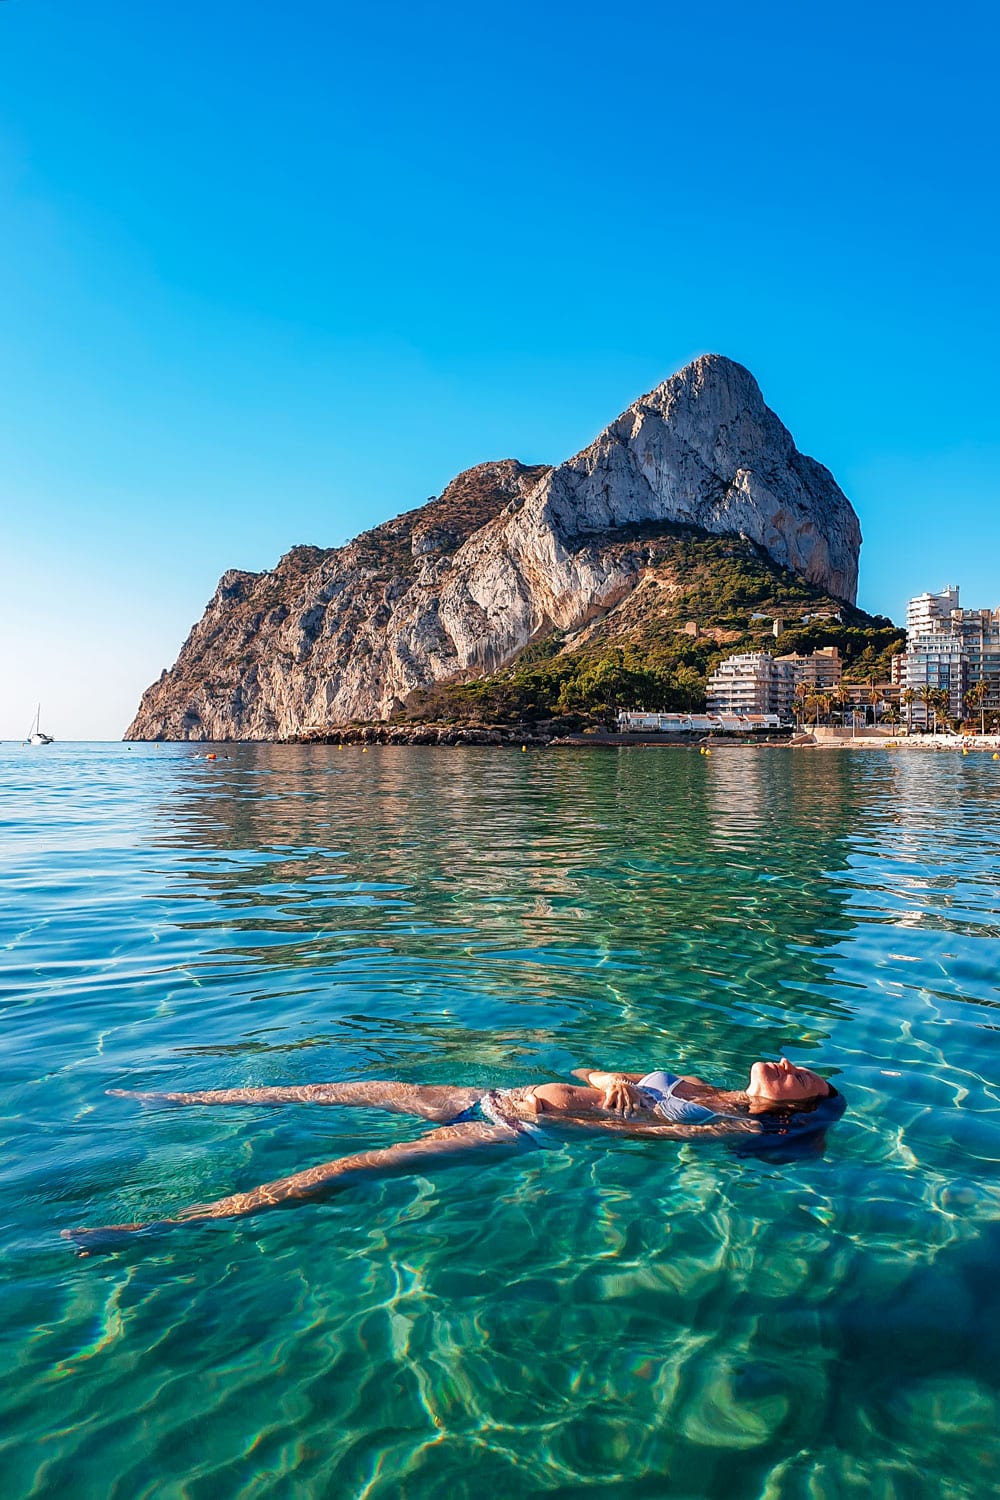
[842, 739]
[821, 738]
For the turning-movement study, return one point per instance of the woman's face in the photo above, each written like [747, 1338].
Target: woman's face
[784, 1081]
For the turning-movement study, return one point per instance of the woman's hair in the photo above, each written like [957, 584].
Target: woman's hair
[795, 1128]
[803, 1116]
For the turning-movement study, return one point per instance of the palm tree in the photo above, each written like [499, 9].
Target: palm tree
[799, 699]
[818, 703]
[892, 714]
[908, 696]
[976, 698]
[936, 701]
[842, 698]
[876, 700]
[942, 704]
[927, 695]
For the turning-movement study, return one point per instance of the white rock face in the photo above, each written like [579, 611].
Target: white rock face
[703, 448]
[461, 585]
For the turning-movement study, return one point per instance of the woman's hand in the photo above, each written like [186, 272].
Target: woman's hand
[621, 1094]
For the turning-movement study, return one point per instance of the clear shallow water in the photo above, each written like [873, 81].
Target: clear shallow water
[614, 1319]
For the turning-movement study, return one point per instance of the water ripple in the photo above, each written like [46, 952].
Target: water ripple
[622, 1320]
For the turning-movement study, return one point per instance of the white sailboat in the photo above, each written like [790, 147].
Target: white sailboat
[35, 735]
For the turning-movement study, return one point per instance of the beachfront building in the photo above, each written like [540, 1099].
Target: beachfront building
[868, 702]
[821, 671]
[756, 682]
[936, 662]
[927, 614]
[980, 633]
[638, 721]
[751, 683]
[951, 648]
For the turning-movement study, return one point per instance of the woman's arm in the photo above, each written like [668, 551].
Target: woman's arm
[590, 1075]
[598, 1079]
[618, 1090]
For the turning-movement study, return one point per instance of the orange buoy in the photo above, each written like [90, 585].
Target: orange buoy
[211, 757]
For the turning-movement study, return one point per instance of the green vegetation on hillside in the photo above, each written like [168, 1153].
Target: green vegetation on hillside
[639, 656]
[576, 685]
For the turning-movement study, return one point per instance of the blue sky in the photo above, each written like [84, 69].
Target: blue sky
[273, 273]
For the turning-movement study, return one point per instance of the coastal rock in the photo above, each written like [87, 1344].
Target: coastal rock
[507, 553]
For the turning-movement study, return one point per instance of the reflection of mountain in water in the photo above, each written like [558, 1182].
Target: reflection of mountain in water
[587, 906]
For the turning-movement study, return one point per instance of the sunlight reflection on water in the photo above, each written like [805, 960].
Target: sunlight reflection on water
[629, 1319]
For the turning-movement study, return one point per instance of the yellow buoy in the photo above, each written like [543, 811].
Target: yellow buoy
[524, 749]
[708, 752]
[995, 756]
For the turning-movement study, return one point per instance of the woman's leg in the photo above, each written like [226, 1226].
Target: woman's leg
[450, 1144]
[431, 1101]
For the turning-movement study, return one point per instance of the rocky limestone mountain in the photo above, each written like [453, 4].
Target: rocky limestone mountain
[507, 554]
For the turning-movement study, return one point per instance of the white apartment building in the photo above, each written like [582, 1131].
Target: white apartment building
[751, 683]
[951, 648]
[928, 612]
[935, 661]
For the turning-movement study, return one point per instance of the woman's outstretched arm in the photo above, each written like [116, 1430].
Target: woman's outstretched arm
[430, 1101]
[439, 1148]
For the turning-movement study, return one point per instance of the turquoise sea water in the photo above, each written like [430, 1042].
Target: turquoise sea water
[615, 1319]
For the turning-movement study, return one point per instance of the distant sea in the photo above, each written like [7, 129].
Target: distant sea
[595, 1319]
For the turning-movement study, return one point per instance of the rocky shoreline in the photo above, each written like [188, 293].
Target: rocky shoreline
[560, 735]
[535, 736]
[512, 735]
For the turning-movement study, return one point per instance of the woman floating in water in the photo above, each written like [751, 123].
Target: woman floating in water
[779, 1099]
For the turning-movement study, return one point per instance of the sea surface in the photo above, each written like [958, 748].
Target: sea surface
[598, 1318]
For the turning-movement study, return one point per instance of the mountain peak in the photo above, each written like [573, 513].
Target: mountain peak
[505, 554]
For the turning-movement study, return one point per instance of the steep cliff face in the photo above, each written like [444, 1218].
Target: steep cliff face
[507, 552]
[705, 450]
